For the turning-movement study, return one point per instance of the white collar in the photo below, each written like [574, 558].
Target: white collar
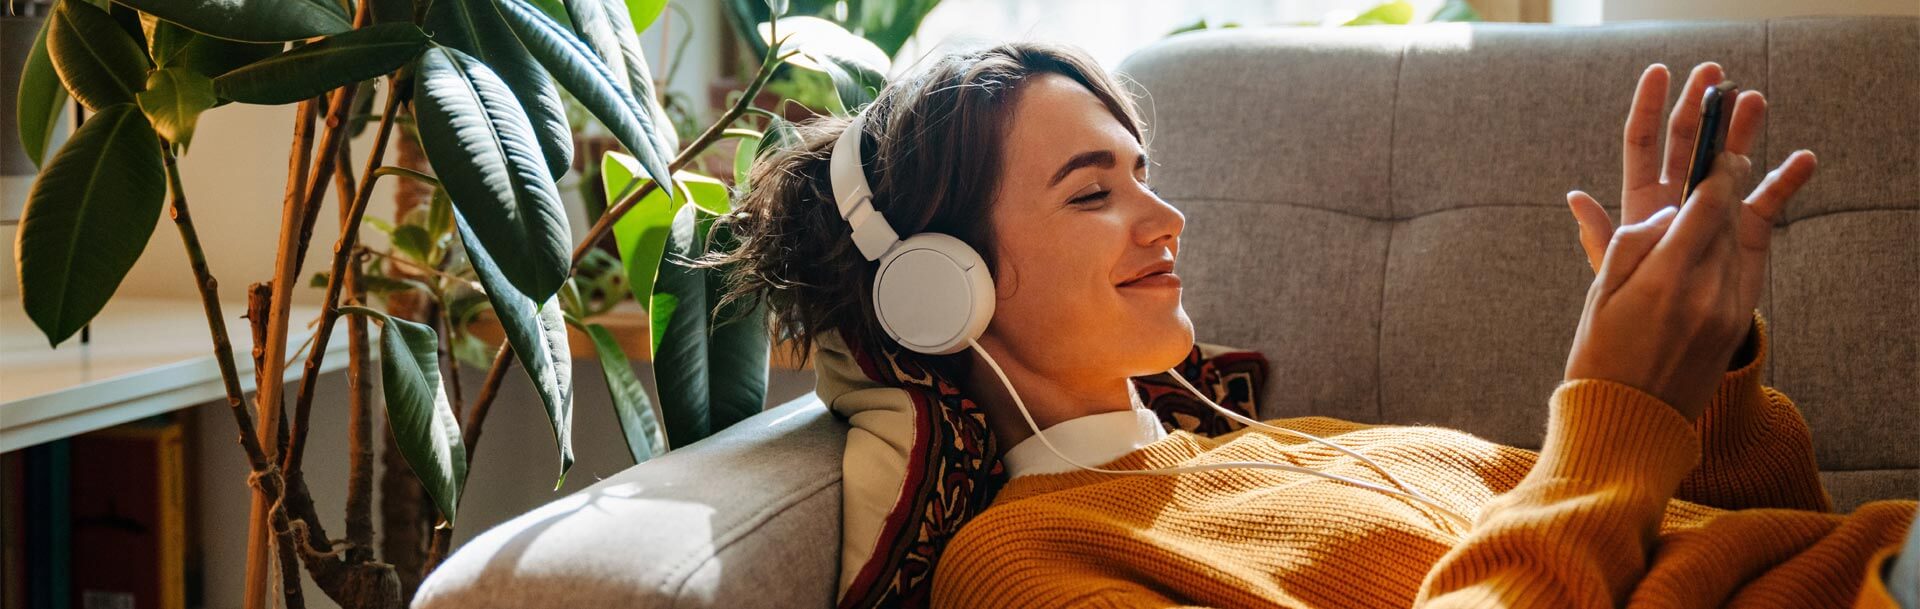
[1095, 440]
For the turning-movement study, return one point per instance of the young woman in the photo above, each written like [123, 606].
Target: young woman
[1030, 154]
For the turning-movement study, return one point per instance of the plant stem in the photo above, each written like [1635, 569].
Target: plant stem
[452, 363]
[266, 478]
[323, 168]
[418, 266]
[359, 391]
[267, 397]
[216, 321]
[342, 250]
[692, 151]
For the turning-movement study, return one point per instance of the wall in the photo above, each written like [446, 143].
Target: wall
[1588, 12]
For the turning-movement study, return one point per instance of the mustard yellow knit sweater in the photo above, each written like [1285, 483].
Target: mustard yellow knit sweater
[1625, 504]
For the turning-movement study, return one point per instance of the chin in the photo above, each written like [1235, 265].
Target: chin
[1163, 342]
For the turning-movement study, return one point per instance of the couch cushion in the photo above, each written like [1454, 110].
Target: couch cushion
[745, 518]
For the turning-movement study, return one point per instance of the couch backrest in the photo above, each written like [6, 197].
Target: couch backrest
[1382, 213]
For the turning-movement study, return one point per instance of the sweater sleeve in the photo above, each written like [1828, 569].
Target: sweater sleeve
[1755, 449]
[1577, 530]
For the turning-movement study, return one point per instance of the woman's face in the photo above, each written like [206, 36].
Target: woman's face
[1076, 226]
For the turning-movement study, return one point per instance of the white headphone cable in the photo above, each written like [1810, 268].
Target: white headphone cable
[1250, 422]
[1031, 424]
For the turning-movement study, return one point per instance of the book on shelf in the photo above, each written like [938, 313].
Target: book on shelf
[128, 523]
[99, 520]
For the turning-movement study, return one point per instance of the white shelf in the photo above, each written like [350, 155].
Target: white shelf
[145, 356]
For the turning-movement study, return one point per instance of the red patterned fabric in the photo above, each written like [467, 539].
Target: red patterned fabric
[954, 468]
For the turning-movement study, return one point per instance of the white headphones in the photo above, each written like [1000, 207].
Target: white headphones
[932, 292]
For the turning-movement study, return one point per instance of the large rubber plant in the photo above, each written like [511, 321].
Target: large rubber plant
[478, 82]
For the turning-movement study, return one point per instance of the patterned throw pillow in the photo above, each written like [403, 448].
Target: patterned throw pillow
[921, 460]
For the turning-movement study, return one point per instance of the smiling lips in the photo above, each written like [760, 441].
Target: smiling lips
[1157, 276]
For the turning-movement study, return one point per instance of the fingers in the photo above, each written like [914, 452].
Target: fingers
[1684, 125]
[1749, 111]
[1641, 156]
[1705, 216]
[1595, 228]
[1631, 245]
[1780, 184]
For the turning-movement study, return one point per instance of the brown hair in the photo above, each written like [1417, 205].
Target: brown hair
[932, 154]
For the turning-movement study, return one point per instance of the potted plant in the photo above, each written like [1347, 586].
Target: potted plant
[478, 81]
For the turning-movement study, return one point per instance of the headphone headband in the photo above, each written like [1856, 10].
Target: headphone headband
[871, 232]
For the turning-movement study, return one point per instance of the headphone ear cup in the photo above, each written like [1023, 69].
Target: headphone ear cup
[932, 293]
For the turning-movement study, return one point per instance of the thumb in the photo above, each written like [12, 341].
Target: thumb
[1596, 229]
[1631, 245]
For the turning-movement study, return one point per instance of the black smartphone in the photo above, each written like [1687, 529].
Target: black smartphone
[1716, 112]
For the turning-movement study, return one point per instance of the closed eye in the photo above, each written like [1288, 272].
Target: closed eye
[1090, 197]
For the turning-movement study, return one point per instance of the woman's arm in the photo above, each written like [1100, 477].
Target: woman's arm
[1671, 303]
[1755, 449]
[1577, 530]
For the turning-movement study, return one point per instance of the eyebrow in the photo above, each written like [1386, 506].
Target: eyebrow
[1103, 159]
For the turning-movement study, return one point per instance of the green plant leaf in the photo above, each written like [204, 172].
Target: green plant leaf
[738, 349]
[710, 376]
[680, 338]
[173, 101]
[644, 12]
[98, 62]
[744, 154]
[475, 27]
[380, 285]
[392, 11]
[554, 11]
[606, 28]
[1455, 11]
[480, 145]
[88, 217]
[1398, 12]
[418, 414]
[252, 20]
[582, 73]
[743, 14]
[854, 85]
[857, 67]
[645, 438]
[888, 23]
[173, 46]
[41, 97]
[539, 338]
[165, 41]
[779, 134]
[310, 70]
[412, 240]
[641, 234]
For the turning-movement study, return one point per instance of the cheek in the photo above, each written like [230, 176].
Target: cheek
[1057, 289]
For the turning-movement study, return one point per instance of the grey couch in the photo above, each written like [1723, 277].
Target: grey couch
[1381, 212]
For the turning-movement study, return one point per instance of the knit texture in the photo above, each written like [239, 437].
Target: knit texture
[1626, 503]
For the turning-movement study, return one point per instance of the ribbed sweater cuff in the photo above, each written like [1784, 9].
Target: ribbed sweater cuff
[1737, 412]
[1605, 433]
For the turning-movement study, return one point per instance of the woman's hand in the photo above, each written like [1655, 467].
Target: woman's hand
[1674, 288]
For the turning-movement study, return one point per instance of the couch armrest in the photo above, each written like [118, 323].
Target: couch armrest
[749, 517]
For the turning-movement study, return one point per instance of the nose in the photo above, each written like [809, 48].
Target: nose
[1160, 222]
